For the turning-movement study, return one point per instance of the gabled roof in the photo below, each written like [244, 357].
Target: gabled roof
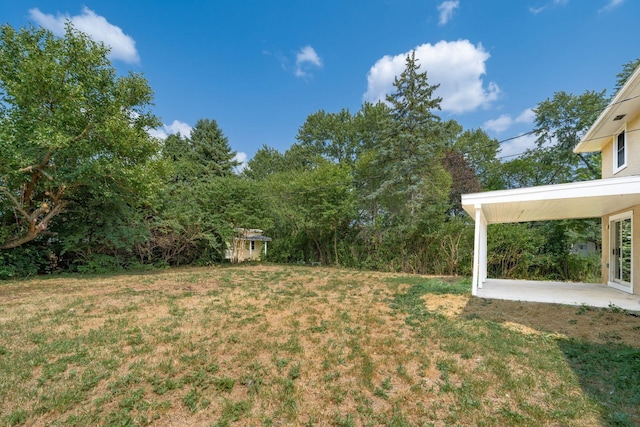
[588, 199]
[624, 107]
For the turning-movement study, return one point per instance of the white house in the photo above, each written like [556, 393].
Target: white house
[615, 198]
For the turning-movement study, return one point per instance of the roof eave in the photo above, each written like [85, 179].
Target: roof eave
[586, 199]
[600, 132]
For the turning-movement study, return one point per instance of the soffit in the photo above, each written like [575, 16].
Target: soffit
[589, 199]
[626, 103]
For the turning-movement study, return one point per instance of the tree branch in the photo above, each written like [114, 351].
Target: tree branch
[34, 227]
[16, 203]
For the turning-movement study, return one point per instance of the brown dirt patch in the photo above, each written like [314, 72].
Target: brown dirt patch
[594, 325]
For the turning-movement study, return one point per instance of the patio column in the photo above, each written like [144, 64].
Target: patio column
[479, 251]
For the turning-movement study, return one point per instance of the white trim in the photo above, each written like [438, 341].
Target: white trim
[616, 167]
[586, 199]
[626, 102]
[622, 215]
[610, 281]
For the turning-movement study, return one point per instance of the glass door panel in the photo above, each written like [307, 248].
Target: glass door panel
[621, 253]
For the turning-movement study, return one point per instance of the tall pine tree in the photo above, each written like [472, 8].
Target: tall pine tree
[211, 149]
[412, 149]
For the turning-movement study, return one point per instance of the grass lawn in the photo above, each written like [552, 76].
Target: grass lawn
[279, 345]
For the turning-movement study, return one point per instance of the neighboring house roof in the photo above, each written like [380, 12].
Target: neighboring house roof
[624, 106]
[255, 238]
[254, 234]
[588, 199]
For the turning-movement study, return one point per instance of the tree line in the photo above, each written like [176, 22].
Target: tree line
[85, 188]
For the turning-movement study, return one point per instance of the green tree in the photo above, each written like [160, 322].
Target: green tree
[315, 209]
[178, 153]
[264, 163]
[627, 70]
[560, 123]
[481, 151]
[205, 199]
[332, 135]
[411, 194]
[371, 123]
[412, 147]
[68, 126]
[196, 222]
[211, 150]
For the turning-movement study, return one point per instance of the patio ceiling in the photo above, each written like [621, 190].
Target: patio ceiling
[588, 199]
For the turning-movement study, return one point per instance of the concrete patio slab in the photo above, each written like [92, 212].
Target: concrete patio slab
[594, 295]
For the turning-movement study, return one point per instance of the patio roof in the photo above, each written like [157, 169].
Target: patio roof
[587, 199]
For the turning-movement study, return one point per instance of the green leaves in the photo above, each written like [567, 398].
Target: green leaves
[560, 123]
[69, 124]
[411, 151]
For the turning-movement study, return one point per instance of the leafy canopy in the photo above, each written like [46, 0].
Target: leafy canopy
[67, 123]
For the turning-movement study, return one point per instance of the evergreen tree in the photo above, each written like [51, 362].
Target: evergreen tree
[412, 147]
[267, 161]
[211, 150]
[627, 70]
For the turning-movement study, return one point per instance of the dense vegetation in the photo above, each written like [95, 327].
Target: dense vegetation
[83, 187]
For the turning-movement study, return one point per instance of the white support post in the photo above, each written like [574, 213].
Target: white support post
[483, 252]
[479, 251]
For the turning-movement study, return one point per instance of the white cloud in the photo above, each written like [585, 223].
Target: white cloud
[527, 116]
[306, 58]
[457, 66]
[537, 10]
[612, 4]
[176, 127]
[505, 121]
[500, 124]
[516, 147]
[123, 47]
[242, 159]
[446, 9]
[519, 144]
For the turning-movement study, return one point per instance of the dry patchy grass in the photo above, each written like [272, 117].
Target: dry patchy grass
[272, 345]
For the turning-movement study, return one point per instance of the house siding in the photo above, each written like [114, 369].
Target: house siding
[239, 248]
[633, 152]
[606, 248]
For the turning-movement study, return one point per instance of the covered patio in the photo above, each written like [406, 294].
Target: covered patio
[591, 294]
[588, 199]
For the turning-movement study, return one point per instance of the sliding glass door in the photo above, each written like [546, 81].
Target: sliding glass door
[621, 254]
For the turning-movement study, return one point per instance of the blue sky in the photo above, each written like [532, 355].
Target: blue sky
[259, 68]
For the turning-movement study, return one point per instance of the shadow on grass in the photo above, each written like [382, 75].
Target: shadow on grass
[601, 346]
[610, 373]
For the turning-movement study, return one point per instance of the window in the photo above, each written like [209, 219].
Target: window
[253, 245]
[620, 152]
